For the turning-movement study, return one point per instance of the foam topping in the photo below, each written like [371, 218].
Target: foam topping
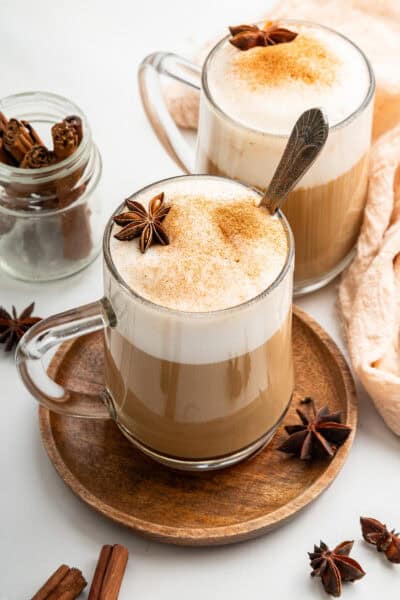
[223, 249]
[268, 87]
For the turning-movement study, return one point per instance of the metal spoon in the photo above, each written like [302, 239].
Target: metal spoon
[306, 141]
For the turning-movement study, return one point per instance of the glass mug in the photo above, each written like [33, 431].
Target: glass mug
[325, 210]
[192, 390]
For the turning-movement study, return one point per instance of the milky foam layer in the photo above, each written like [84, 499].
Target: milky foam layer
[223, 248]
[205, 337]
[249, 146]
[267, 88]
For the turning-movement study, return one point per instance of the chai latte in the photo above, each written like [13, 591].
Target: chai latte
[252, 100]
[199, 365]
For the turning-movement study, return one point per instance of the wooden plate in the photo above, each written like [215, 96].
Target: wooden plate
[220, 507]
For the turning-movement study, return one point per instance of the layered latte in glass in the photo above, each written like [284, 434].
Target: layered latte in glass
[199, 363]
[249, 103]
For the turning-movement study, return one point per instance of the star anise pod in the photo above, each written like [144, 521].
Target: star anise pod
[245, 37]
[334, 566]
[376, 533]
[318, 435]
[13, 327]
[138, 221]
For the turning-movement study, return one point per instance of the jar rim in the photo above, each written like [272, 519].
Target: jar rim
[20, 212]
[60, 169]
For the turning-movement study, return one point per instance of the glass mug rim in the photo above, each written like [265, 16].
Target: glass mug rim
[365, 102]
[289, 260]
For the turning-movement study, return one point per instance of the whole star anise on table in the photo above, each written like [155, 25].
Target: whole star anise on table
[138, 221]
[13, 327]
[376, 533]
[245, 37]
[334, 566]
[318, 435]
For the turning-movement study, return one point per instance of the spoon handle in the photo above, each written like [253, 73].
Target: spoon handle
[306, 141]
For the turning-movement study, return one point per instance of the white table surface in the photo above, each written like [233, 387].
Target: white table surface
[89, 50]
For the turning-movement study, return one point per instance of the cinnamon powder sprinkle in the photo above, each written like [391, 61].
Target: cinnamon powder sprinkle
[304, 59]
[212, 248]
[241, 221]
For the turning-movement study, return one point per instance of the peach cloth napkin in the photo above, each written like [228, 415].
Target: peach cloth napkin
[369, 294]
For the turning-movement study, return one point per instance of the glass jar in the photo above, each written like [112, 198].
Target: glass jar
[51, 221]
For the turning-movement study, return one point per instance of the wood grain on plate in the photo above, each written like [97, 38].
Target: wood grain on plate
[220, 507]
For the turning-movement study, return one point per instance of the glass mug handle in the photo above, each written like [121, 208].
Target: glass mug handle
[49, 333]
[182, 70]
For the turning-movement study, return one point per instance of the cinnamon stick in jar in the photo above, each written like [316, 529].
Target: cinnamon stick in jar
[75, 223]
[5, 157]
[21, 146]
[19, 137]
[75, 122]
[37, 158]
[6, 221]
[65, 139]
[3, 123]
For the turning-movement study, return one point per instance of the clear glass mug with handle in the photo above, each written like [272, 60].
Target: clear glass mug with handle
[325, 210]
[192, 390]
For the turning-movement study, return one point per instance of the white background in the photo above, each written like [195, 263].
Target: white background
[89, 52]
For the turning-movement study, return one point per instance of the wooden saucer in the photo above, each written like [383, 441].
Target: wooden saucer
[220, 507]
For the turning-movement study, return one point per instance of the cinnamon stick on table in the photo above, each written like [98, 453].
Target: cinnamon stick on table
[109, 573]
[63, 584]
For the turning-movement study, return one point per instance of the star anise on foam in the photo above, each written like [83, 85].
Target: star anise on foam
[148, 224]
[376, 533]
[245, 37]
[13, 327]
[318, 435]
[334, 566]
